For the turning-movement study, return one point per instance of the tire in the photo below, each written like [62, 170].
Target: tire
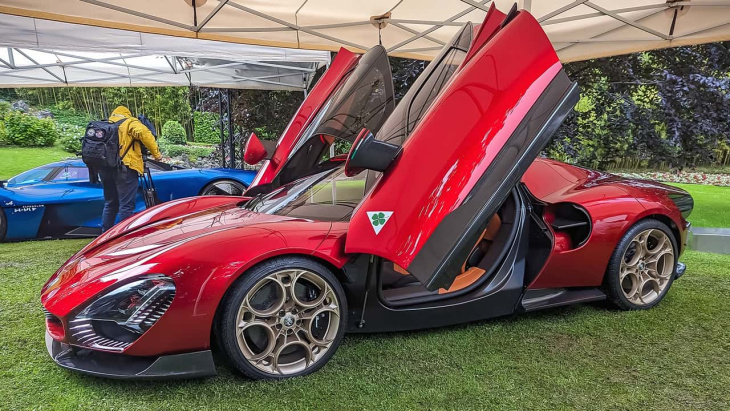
[223, 187]
[3, 225]
[638, 276]
[269, 332]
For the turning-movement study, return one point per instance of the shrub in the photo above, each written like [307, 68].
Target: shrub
[173, 132]
[206, 128]
[64, 115]
[193, 152]
[4, 108]
[26, 130]
[3, 134]
[71, 137]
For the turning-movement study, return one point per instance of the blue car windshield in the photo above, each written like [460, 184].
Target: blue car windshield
[35, 175]
[326, 196]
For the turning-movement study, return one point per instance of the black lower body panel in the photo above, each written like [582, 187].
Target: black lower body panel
[103, 364]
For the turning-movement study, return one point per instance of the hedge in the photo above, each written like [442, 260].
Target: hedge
[206, 128]
[176, 150]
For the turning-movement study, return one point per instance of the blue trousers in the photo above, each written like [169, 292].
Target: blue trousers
[120, 194]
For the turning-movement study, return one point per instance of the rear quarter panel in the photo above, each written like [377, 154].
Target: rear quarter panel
[614, 204]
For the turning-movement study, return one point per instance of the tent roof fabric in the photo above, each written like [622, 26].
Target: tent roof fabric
[579, 29]
[44, 53]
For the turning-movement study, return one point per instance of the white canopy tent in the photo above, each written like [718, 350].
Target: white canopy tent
[44, 53]
[579, 29]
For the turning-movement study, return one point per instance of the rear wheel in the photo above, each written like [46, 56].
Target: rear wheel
[223, 188]
[285, 318]
[643, 266]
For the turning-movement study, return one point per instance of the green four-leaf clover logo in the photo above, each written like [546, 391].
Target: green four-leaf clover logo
[378, 219]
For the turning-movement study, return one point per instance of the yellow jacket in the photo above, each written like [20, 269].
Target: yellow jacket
[132, 130]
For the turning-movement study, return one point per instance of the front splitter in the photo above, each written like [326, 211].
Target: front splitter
[103, 364]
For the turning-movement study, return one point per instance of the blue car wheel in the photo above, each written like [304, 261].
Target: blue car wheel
[223, 188]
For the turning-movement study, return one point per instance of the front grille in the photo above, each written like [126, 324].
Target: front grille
[97, 334]
[82, 332]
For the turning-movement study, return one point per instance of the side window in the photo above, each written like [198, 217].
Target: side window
[433, 86]
[72, 174]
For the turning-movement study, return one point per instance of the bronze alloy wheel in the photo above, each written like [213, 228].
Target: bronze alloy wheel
[647, 266]
[286, 318]
[643, 266]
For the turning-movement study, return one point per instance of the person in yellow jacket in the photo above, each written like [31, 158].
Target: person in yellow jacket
[120, 184]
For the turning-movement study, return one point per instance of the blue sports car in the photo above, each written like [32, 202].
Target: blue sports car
[58, 201]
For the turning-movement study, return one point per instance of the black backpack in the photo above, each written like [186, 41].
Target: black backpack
[100, 146]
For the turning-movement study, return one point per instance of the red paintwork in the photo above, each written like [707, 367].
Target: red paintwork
[202, 251]
[614, 204]
[254, 150]
[205, 243]
[339, 67]
[485, 31]
[484, 103]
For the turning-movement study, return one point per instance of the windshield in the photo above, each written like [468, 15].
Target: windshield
[325, 196]
[35, 175]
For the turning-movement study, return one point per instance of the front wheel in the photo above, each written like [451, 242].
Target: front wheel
[643, 266]
[284, 318]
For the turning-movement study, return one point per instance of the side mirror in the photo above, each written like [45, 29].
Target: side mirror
[257, 150]
[254, 151]
[367, 153]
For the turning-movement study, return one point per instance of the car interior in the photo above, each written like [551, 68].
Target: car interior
[398, 287]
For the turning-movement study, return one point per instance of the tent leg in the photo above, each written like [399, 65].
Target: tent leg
[221, 124]
[231, 148]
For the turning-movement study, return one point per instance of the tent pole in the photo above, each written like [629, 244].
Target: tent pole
[220, 121]
[231, 148]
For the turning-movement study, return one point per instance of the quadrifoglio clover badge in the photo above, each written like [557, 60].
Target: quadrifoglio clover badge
[378, 219]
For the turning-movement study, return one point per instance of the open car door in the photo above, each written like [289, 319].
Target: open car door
[355, 93]
[480, 134]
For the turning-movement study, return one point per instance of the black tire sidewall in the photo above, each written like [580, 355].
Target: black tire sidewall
[3, 225]
[226, 328]
[613, 284]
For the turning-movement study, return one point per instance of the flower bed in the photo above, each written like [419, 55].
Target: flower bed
[682, 177]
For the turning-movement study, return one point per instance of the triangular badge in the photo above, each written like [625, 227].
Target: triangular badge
[378, 219]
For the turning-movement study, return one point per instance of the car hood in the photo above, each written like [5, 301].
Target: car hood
[133, 252]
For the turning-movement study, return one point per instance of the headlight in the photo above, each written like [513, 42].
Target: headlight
[119, 317]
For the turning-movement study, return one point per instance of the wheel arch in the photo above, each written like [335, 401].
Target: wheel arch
[338, 272]
[663, 218]
[221, 178]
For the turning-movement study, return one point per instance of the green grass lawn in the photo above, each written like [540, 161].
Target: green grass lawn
[673, 357]
[712, 205]
[15, 160]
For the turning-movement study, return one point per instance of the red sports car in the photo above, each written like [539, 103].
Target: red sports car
[439, 214]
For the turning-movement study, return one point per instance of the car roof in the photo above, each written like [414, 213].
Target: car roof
[73, 162]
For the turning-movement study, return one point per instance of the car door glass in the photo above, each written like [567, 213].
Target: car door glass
[72, 174]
